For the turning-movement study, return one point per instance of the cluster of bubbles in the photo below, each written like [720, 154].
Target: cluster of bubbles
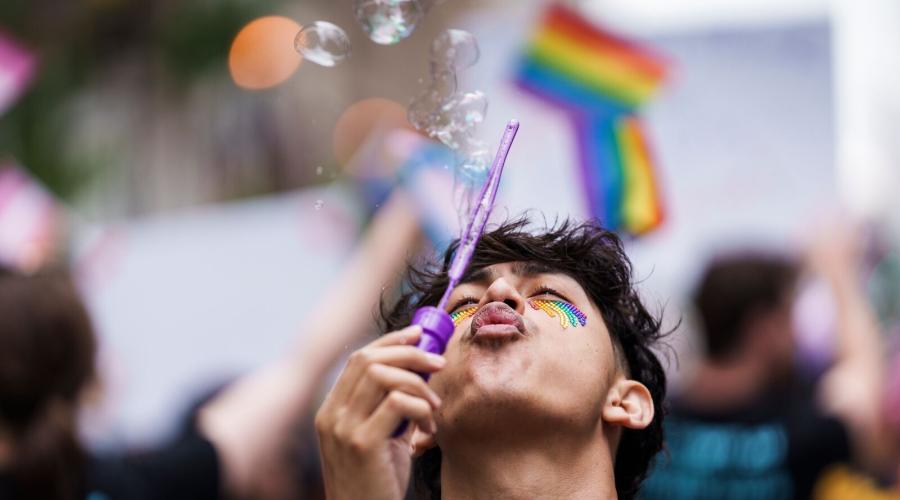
[446, 113]
[323, 43]
[386, 22]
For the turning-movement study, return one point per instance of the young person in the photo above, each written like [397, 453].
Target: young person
[523, 404]
[746, 425]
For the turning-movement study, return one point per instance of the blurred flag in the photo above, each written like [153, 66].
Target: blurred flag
[29, 219]
[16, 71]
[600, 80]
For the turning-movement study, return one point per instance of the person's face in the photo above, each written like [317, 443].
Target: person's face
[512, 364]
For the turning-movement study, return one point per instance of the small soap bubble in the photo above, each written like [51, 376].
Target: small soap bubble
[420, 111]
[468, 109]
[475, 165]
[454, 49]
[474, 146]
[323, 43]
[443, 82]
[319, 204]
[388, 21]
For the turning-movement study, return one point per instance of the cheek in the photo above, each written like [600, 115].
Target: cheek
[579, 358]
[440, 381]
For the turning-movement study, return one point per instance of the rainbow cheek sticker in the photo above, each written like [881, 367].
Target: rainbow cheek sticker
[463, 314]
[567, 313]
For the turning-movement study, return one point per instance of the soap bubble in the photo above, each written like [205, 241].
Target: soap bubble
[454, 49]
[451, 116]
[468, 109]
[474, 166]
[443, 82]
[421, 111]
[424, 109]
[323, 43]
[319, 204]
[454, 120]
[388, 21]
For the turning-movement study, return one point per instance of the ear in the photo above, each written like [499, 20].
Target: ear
[421, 442]
[628, 404]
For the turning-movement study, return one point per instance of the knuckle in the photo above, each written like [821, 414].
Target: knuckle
[420, 385]
[358, 444]
[322, 423]
[360, 357]
[342, 434]
[421, 407]
[395, 400]
[373, 371]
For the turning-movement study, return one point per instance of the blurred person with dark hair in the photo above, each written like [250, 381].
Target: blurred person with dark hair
[240, 444]
[745, 424]
[522, 404]
[47, 350]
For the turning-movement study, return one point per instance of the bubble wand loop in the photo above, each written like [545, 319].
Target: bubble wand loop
[437, 327]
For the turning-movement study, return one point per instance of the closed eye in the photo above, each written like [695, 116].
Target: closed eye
[546, 290]
[465, 301]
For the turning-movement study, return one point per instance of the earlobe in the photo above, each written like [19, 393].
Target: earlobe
[628, 404]
[421, 442]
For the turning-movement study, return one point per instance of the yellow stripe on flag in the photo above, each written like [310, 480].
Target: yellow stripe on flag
[640, 210]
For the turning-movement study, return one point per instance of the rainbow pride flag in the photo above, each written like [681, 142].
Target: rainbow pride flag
[600, 80]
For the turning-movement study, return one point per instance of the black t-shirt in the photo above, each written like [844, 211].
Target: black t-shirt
[186, 469]
[773, 448]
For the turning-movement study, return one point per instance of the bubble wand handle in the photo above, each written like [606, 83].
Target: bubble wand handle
[437, 326]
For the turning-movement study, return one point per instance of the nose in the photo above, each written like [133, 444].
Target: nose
[502, 291]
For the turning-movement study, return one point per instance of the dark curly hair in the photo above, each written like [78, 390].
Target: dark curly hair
[596, 259]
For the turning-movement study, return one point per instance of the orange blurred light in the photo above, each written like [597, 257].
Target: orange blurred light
[262, 54]
[360, 120]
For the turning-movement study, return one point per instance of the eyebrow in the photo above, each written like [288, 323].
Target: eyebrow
[527, 269]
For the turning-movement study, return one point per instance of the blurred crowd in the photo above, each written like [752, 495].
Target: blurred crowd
[752, 417]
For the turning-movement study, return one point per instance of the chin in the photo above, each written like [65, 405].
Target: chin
[498, 370]
[500, 387]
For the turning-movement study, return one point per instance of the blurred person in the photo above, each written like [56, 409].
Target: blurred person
[242, 440]
[521, 405]
[746, 425]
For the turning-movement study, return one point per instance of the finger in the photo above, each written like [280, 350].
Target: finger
[400, 356]
[359, 360]
[406, 336]
[379, 381]
[393, 409]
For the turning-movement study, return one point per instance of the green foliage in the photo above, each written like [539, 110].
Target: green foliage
[77, 42]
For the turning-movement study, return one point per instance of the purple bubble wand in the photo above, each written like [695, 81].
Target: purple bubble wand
[437, 326]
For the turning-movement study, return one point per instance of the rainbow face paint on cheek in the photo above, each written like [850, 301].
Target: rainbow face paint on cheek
[463, 314]
[568, 314]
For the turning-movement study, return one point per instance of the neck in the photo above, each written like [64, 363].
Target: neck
[548, 467]
[717, 385]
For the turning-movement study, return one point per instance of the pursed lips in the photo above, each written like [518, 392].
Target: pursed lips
[496, 321]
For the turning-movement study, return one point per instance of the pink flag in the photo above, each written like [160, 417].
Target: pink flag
[29, 220]
[17, 67]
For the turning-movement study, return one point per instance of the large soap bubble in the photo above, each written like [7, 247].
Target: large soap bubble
[454, 49]
[323, 43]
[388, 21]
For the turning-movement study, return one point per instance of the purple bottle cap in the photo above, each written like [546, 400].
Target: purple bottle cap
[437, 328]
